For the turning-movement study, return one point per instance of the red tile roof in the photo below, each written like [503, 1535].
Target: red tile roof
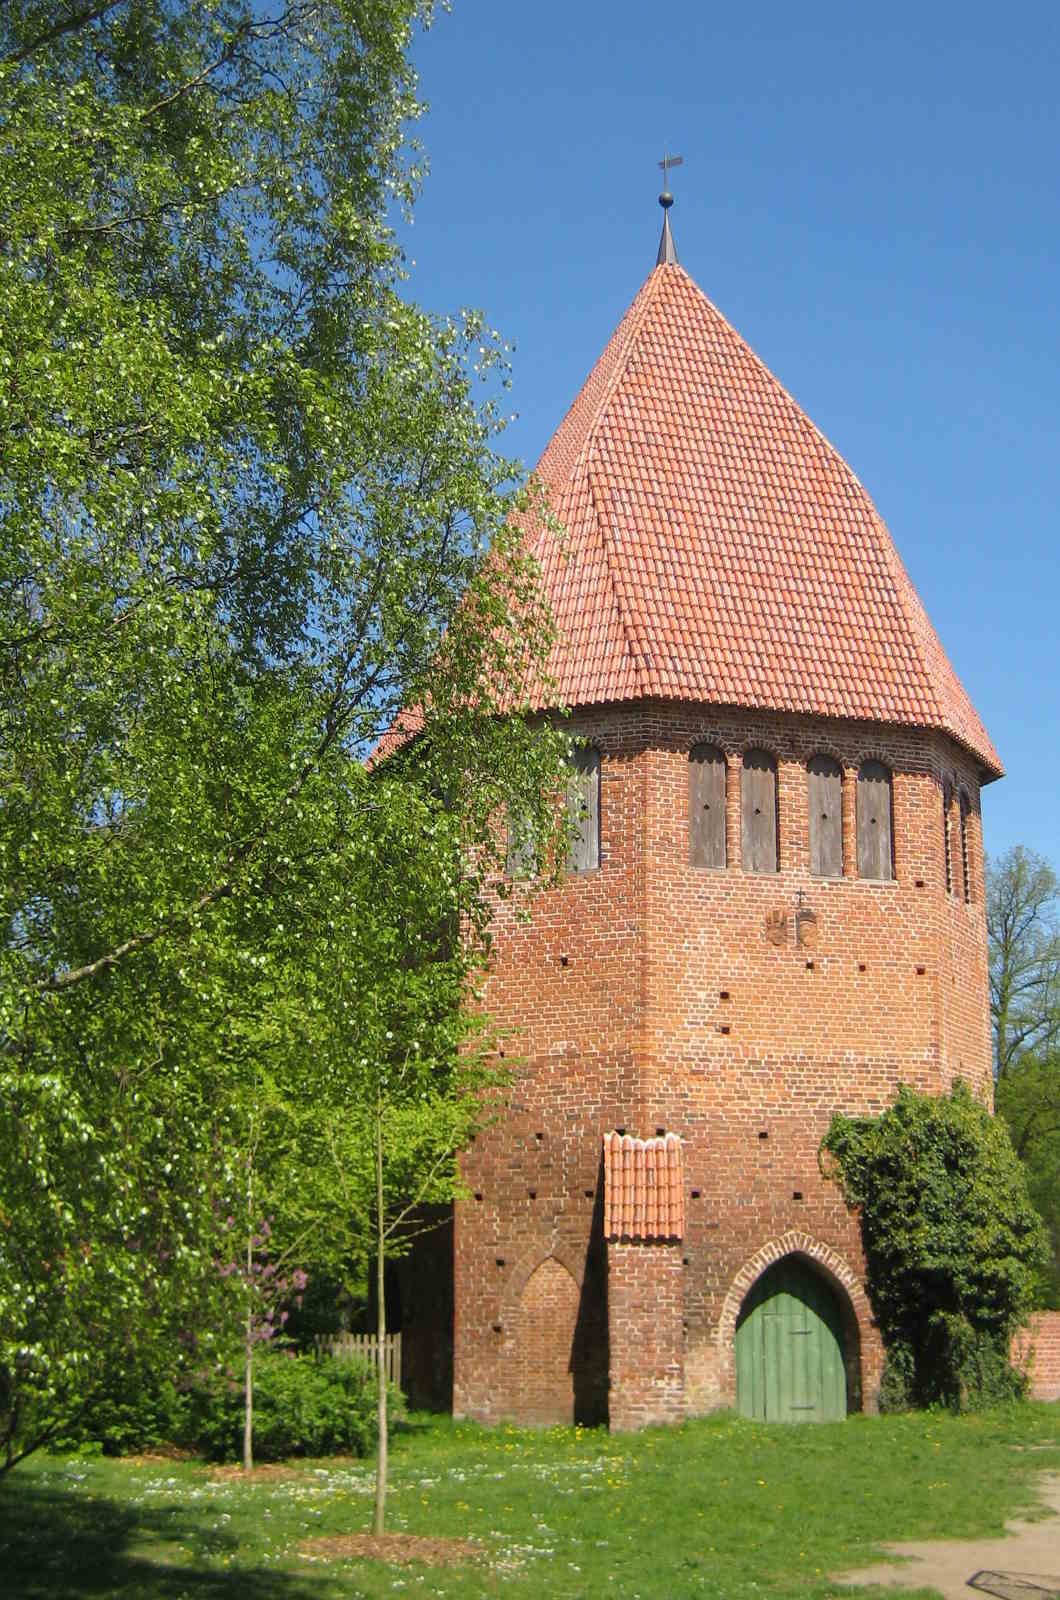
[644, 1196]
[719, 549]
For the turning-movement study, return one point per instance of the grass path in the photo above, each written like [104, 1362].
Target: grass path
[720, 1508]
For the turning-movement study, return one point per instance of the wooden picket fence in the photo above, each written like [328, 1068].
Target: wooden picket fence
[362, 1347]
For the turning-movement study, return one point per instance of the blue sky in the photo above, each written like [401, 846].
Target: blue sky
[870, 196]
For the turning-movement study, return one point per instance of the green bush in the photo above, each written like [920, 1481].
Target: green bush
[973, 1367]
[897, 1383]
[302, 1407]
[137, 1411]
[952, 1244]
[136, 1416]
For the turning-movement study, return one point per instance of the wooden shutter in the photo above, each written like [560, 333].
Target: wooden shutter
[706, 806]
[758, 794]
[583, 805]
[966, 807]
[824, 788]
[875, 858]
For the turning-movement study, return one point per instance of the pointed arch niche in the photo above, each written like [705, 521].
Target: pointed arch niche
[545, 1322]
[555, 1321]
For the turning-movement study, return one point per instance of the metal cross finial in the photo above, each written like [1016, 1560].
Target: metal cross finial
[666, 163]
[667, 254]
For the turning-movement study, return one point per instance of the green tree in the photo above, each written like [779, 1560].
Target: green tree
[246, 498]
[1028, 1101]
[1023, 937]
[404, 1063]
[1023, 929]
[951, 1241]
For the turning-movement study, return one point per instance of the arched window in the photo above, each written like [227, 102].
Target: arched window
[824, 793]
[583, 807]
[706, 806]
[947, 843]
[875, 851]
[966, 810]
[758, 804]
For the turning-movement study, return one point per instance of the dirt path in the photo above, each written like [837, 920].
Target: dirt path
[1024, 1564]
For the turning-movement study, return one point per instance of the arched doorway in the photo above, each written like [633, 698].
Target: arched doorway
[789, 1348]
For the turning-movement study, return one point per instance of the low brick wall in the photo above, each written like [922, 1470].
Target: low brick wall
[1039, 1346]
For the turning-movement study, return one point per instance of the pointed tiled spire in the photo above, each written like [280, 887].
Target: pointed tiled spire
[718, 549]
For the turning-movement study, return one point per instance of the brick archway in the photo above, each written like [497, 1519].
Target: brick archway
[862, 1353]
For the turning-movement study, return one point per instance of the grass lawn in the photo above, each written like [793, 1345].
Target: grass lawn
[719, 1507]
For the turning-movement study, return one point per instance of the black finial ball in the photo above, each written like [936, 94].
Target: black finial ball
[666, 199]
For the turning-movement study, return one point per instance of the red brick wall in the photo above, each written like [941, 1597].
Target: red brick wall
[645, 1308]
[1038, 1348]
[647, 995]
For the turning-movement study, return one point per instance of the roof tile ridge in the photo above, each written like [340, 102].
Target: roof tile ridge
[648, 294]
[916, 618]
[634, 315]
[618, 588]
[903, 584]
[974, 736]
[777, 384]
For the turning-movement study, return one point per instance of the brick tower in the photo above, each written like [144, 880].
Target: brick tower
[774, 911]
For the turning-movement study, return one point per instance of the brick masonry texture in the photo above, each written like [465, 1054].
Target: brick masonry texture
[1038, 1349]
[645, 1307]
[649, 996]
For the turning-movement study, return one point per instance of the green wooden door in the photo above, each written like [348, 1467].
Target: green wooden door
[789, 1348]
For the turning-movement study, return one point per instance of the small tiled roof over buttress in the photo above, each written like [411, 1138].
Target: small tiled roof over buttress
[718, 549]
[644, 1195]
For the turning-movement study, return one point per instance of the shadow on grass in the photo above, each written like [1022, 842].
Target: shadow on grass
[56, 1543]
[417, 1426]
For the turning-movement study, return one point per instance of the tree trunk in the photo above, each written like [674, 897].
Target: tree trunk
[248, 1410]
[380, 1242]
[248, 1405]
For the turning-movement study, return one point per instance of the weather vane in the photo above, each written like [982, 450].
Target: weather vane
[667, 253]
[666, 198]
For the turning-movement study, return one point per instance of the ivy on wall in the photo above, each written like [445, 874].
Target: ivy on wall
[952, 1243]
